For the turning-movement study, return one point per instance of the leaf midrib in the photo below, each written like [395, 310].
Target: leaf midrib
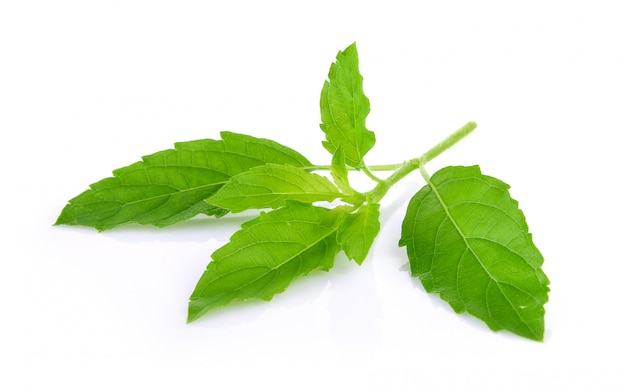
[352, 89]
[165, 195]
[270, 269]
[471, 249]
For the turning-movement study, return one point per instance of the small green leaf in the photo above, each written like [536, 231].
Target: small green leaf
[358, 231]
[344, 108]
[172, 185]
[266, 255]
[270, 186]
[467, 240]
[339, 172]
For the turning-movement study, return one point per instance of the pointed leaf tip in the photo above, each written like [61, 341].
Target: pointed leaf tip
[172, 185]
[344, 109]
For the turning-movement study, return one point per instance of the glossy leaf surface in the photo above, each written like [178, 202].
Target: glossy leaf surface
[467, 240]
[172, 185]
[358, 231]
[271, 186]
[344, 108]
[266, 255]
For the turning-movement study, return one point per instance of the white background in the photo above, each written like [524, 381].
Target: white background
[87, 87]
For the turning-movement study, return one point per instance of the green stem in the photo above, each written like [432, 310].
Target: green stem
[376, 194]
[448, 142]
[425, 174]
[371, 175]
[372, 168]
[426, 157]
[390, 167]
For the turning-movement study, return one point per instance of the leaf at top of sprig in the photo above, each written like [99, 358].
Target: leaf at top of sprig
[266, 256]
[344, 108]
[467, 240]
[172, 185]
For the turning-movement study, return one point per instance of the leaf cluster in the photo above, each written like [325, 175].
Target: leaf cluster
[466, 238]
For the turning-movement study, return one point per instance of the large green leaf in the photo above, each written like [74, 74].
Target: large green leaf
[344, 108]
[467, 240]
[266, 255]
[270, 186]
[172, 185]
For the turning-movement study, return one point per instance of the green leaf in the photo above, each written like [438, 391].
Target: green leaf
[266, 255]
[270, 186]
[172, 185]
[467, 240]
[344, 108]
[358, 231]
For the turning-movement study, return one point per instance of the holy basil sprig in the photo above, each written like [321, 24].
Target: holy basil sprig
[466, 238]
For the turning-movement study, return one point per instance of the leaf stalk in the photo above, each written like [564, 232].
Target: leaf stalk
[376, 194]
